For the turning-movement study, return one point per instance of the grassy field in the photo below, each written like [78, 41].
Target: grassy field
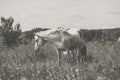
[20, 63]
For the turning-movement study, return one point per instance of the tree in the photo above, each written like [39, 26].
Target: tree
[11, 36]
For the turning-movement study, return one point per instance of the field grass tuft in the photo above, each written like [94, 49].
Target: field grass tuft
[20, 63]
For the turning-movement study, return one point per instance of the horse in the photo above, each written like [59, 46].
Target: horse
[63, 40]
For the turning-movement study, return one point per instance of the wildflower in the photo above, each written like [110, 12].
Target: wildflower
[104, 70]
[67, 76]
[65, 53]
[77, 70]
[38, 71]
[52, 67]
[52, 79]
[33, 74]
[111, 70]
[23, 78]
[101, 77]
[77, 74]
[73, 75]
[50, 74]
[17, 68]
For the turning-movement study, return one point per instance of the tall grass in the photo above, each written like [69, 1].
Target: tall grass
[20, 63]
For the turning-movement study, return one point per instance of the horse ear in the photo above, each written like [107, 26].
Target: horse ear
[68, 29]
[66, 33]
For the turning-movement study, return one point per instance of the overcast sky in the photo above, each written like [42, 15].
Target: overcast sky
[67, 13]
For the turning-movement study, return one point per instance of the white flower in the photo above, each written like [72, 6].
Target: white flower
[77, 70]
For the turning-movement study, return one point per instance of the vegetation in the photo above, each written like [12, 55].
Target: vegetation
[13, 36]
[29, 35]
[20, 62]
[101, 35]
[8, 33]
[103, 63]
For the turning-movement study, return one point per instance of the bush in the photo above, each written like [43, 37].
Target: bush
[28, 36]
[9, 33]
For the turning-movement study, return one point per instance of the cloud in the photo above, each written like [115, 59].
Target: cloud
[26, 15]
[78, 17]
[117, 12]
[53, 9]
[23, 15]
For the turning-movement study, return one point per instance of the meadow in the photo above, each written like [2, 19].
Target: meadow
[20, 63]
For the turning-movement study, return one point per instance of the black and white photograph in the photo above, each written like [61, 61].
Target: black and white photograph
[59, 39]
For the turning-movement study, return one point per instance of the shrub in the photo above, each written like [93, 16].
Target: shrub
[9, 33]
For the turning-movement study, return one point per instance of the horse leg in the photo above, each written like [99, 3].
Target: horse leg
[73, 52]
[77, 55]
[83, 53]
[68, 55]
[58, 56]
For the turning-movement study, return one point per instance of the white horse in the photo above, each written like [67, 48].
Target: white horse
[63, 40]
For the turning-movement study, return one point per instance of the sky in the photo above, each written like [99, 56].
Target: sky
[86, 14]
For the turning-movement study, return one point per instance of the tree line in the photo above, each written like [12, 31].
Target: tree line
[101, 35]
